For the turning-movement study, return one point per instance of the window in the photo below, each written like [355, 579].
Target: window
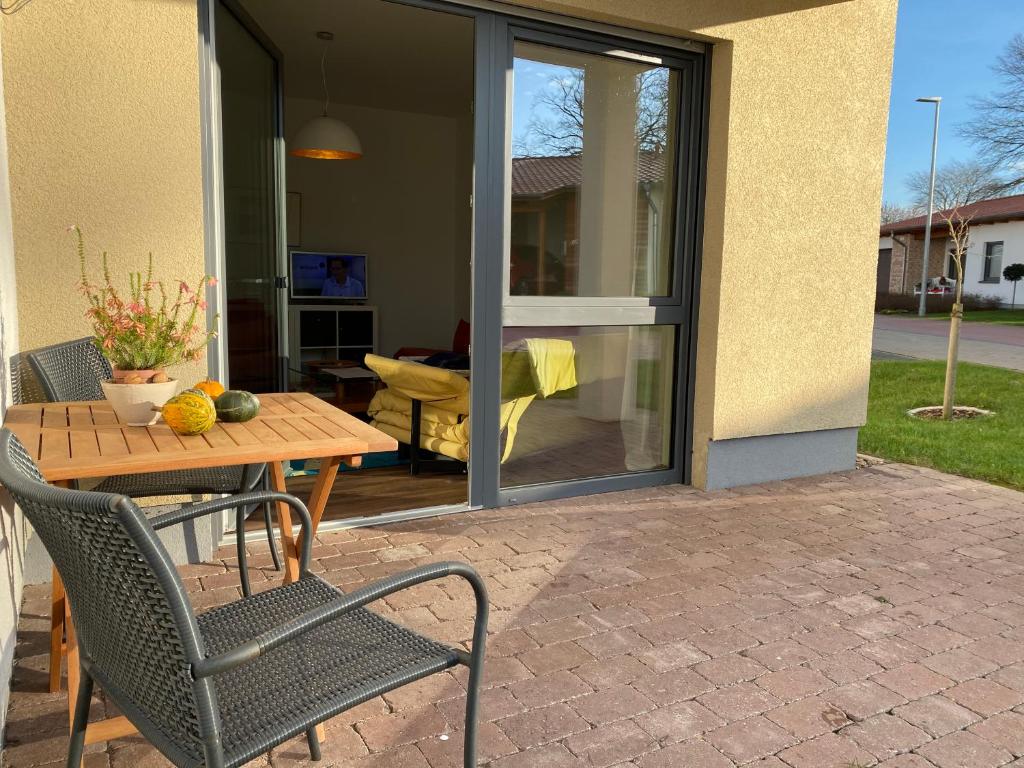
[993, 262]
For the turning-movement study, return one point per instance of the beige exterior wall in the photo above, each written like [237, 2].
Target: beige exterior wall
[103, 131]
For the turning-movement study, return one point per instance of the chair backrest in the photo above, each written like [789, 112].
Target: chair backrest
[136, 631]
[71, 370]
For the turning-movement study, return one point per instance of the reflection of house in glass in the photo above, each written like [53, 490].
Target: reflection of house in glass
[547, 235]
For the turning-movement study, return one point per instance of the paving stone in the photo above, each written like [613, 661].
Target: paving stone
[985, 697]
[809, 717]
[679, 722]
[937, 715]
[794, 683]
[913, 681]
[736, 702]
[959, 664]
[1004, 730]
[886, 736]
[669, 687]
[749, 739]
[964, 749]
[827, 751]
[863, 699]
[693, 754]
[611, 704]
[541, 726]
[611, 744]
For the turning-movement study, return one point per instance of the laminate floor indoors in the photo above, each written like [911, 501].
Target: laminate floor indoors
[370, 492]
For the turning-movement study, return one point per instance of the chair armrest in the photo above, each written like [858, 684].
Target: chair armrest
[251, 499]
[317, 617]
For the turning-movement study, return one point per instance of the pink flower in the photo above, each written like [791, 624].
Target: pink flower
[137, 307]
[201, 304]
[108, 343]
[183, 287]
[213, 281]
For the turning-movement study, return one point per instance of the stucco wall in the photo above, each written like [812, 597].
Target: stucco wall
[799, 105]
[103, 132]
[12, 522]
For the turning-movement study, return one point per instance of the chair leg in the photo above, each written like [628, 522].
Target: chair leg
[476, 668]
[81, 720]
[268, 521]
[243, 557]
[314, 744]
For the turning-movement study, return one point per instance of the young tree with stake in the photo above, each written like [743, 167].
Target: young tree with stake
[960, 233]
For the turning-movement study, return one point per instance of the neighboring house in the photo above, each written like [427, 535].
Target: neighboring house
[996, 240]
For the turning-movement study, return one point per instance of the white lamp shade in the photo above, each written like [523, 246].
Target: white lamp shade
[324, 138]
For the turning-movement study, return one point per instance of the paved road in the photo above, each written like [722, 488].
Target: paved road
[913, 337]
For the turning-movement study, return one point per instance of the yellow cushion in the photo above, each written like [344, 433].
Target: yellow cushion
[418, 381]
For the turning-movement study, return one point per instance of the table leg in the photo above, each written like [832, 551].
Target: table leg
[57, 609]
[289, 552]
[321, 492]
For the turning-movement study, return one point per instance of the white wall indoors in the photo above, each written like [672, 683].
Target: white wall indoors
[405, 204]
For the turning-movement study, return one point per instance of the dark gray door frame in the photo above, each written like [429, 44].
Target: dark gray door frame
[495, 24]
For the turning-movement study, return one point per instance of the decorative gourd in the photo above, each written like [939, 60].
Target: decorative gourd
[211, 387]
[191, 412]
[237, 405]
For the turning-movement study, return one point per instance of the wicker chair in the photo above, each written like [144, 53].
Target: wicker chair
[224, 687]
[73, 370]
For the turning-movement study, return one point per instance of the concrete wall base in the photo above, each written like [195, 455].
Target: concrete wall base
[191, 542]
[750, 460]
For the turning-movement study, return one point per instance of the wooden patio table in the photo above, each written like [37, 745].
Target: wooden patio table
[75, 441]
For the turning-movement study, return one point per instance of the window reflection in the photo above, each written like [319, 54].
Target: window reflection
[593, 176]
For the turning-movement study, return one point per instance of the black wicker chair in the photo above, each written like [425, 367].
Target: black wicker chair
[224, 687]
[73, 370]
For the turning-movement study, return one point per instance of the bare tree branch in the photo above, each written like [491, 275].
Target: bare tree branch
[957, 184]
[556, 122]
[893, 212]
[998, 128]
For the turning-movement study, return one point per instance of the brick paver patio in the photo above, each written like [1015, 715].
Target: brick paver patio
[868, 618]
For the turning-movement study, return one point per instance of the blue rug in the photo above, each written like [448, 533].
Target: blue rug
[303, 467]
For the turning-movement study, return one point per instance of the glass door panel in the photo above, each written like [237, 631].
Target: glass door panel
[586, 402]
[249, 98]
[593, 314]
[593, 174]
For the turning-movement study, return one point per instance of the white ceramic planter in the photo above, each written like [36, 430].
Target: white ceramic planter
[134, 403]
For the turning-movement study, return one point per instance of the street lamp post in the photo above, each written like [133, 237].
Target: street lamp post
[926, 257]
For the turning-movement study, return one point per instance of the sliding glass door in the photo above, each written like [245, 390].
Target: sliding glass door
[598, 156]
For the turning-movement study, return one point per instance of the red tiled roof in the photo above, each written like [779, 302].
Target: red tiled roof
[540, 176]
[997, 209]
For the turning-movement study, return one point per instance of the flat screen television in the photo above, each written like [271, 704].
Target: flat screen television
[327, 276]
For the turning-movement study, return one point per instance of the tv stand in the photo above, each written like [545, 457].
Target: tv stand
[325, 332]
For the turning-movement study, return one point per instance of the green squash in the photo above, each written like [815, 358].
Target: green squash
[237, 405]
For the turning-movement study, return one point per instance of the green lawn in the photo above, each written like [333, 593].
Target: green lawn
[999, 316]
[990, 449]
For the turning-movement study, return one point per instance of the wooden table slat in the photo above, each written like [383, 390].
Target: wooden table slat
[83, 441]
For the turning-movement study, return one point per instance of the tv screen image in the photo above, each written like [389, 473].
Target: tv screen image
[317, 275]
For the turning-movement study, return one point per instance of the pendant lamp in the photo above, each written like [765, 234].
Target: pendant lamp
[324, 138]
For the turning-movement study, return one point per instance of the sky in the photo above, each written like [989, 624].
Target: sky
[943, 48]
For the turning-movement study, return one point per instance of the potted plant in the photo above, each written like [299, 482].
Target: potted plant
[142, 333]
